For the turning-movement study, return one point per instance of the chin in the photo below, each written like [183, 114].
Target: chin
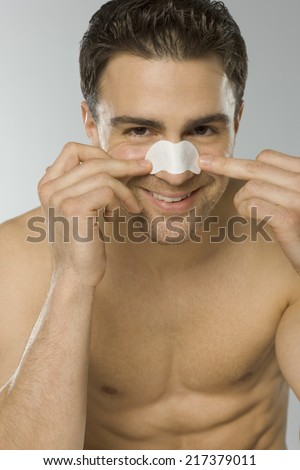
[172, 230]
[178, 235]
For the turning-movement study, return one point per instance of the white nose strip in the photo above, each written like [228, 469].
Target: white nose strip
[174, 158]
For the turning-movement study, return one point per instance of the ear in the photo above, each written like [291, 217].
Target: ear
[239, 117]
[89, 125]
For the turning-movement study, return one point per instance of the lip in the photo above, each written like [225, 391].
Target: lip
[174, 195]
[172, 207]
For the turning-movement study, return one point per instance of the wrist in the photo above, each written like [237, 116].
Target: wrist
[71, 282]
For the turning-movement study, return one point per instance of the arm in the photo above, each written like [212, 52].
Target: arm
[273, 188]
[43, 405]
[288, 346]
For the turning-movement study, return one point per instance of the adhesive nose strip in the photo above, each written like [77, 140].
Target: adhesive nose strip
[174, 158]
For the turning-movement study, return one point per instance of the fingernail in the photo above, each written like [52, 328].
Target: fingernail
[207, 160]
[145, 163]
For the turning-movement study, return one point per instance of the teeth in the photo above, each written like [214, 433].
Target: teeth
[169, 199]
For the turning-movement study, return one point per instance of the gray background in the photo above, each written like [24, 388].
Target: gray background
[40, 94]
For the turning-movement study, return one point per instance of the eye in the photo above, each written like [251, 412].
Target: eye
[205, 131]
[137, 131]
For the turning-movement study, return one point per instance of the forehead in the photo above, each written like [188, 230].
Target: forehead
[137, 85]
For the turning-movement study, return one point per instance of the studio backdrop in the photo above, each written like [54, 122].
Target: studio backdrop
[40, 94]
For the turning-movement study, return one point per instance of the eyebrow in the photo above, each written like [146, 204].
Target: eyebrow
[160, 125]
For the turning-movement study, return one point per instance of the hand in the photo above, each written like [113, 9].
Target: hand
[273, 187]
[82, 181]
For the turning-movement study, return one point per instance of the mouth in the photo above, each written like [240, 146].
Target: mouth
[178, 202]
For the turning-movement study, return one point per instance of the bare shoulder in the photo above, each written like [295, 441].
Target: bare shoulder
[25, 273]
[22, 246]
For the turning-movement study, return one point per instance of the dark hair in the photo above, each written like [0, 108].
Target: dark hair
[179, 29]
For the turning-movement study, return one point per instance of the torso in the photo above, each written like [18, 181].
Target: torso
[187, 363]
[190, 363]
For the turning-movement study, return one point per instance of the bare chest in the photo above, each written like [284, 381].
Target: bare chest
[151, 340]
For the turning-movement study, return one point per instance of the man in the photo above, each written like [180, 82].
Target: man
[166, 343]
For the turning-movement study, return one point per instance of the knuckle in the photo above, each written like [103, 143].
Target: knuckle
[104, 178]
[253, 205]
[40, 184]
[44, 190]
[108, 192]
[264, 155]
[254, 167]
[253, 202]
[249, 166]
[254, 185]
[70, 147]
[237, 198]
[68, 207]
[40, 188]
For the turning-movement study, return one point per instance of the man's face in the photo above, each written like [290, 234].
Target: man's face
[146, 101]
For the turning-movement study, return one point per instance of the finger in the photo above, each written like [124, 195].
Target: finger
[93, 204]
[268, 192]
[113, 167]
[89, 204]
[71, 156]
[250, 169]
[280, 160]
[122, 192]
[285, 223]
[97, 203]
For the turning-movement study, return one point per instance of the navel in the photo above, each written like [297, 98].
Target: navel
[109, 390]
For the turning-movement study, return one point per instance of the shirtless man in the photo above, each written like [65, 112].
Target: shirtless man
[154, 345]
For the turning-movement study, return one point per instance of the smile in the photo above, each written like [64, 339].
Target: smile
[172, 203]
[160, 197]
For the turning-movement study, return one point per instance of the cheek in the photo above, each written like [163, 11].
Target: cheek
[220, 149]
[124, 151]
[226, 149]
[221, 145]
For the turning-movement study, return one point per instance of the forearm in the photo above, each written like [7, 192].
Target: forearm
[43, 406]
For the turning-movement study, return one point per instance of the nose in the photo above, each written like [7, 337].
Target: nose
[174, 180]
